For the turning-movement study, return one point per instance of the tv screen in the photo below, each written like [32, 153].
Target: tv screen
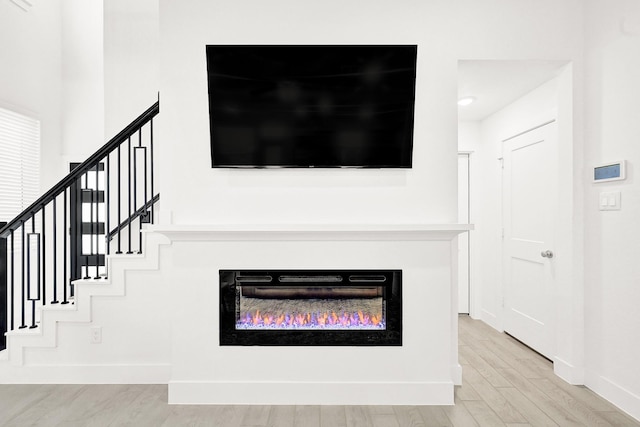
[311, 106]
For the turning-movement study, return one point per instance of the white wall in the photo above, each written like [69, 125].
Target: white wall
[82, 79]
[130, 61]
[195, 193]
[30, 74]
[202, 194]
[53, 70]
[612, 271]
[129, 340]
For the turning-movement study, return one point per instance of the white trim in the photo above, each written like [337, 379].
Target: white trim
[310, 393]
[311, 232]
[548, 122]
[158, 373]
[623, 398]
[568, 372]
[491, 320]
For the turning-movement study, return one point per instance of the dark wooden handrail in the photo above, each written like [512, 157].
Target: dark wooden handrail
[68, 180]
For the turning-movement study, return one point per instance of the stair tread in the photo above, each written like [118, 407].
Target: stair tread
[59, 307]
[25, 332]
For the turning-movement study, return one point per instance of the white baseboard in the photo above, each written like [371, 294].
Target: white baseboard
[85, 374]
[310, 393]
[568, 372]
[624, 399]
[491, 320]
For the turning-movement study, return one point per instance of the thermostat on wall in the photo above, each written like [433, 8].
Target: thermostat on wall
[614, 171]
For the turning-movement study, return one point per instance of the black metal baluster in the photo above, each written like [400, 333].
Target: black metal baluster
[12, 283]
[119, 251]
[129, 191]
[135, 182]
[145, 214]
[33, 300]
[135, 178]
[75, 234]
[146, 182]
[91, 194]
[79, 242]
[151, 161]
[55, 252]
[97, 199]
[44, 258]
[79, 259]
[23, 325]
[107, 212]
[3, 289]
[64, 251]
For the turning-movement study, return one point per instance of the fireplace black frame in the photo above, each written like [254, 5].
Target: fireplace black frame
[390, 336]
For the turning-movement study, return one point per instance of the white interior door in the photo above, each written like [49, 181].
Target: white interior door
[529, 202]
[463, 238]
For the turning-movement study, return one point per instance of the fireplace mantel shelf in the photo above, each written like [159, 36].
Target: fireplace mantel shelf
[311, 231]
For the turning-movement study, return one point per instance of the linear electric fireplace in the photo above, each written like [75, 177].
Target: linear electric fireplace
[311, 307]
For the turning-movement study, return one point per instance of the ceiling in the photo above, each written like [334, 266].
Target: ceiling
[496, 84]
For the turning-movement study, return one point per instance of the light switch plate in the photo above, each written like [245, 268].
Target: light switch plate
[610, 201]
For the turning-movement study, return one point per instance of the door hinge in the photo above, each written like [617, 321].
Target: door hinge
[502, 233]
[501, 159]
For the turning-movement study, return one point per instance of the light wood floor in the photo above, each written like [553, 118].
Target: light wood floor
[504, 384]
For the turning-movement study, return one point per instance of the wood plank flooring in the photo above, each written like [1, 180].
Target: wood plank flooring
[504, 384]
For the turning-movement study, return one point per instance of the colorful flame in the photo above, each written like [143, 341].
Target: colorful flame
[333, 320]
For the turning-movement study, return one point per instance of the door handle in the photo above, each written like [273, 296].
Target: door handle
[546, 254]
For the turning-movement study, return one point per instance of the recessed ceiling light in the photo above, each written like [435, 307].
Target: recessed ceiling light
[466, 101]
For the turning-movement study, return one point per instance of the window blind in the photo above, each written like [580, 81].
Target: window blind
[19, 163]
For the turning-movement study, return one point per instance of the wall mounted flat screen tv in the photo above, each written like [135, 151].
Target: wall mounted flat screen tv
[317, 106]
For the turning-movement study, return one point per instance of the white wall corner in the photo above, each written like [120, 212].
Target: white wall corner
[165, 217]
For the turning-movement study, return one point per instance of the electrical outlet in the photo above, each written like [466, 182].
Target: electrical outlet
[96, 335]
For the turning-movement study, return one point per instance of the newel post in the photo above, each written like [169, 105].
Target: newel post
[3, 290]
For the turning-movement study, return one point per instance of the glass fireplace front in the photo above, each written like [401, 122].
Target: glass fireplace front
[310, 307]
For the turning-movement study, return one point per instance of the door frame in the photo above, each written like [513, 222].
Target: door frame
[568, 99]
[467, 154]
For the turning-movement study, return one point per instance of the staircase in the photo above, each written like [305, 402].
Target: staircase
[77, 242]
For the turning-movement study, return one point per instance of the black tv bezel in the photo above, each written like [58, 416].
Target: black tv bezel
[318, 166]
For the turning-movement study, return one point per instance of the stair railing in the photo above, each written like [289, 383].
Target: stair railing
[98, 209]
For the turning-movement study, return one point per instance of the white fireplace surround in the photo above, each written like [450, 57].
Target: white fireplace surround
[422, 371]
